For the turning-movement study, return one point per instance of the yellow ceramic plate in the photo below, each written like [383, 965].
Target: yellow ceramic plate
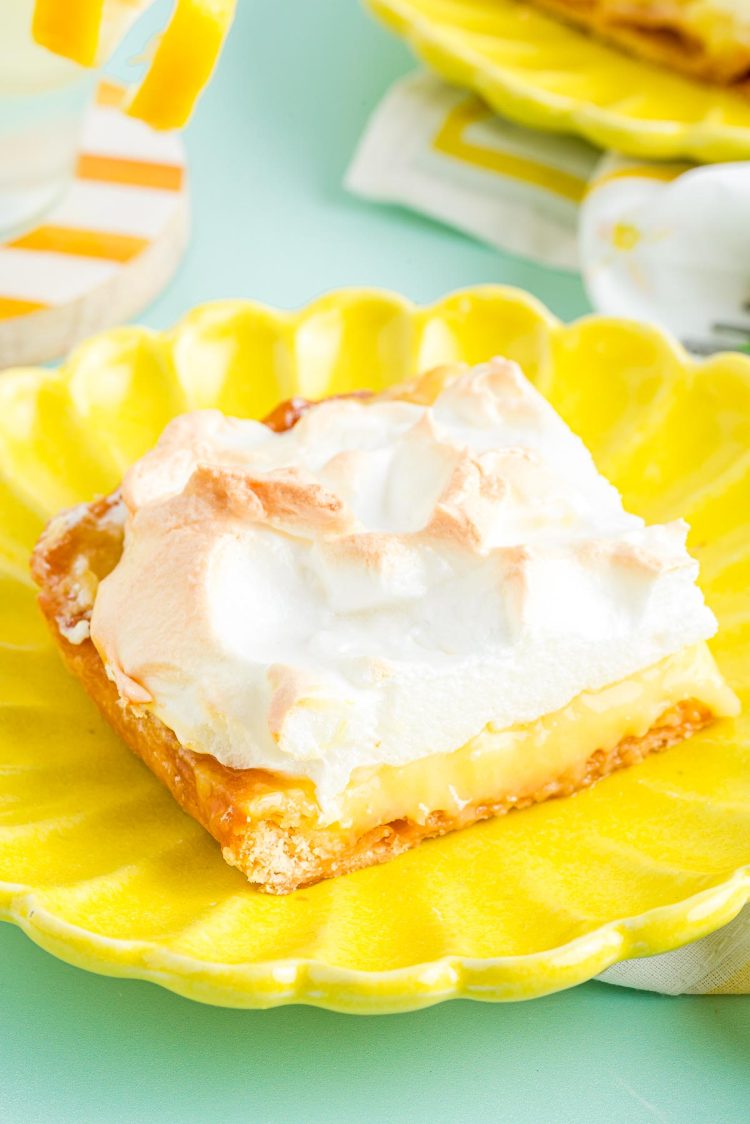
[100, 866]
[537, 70]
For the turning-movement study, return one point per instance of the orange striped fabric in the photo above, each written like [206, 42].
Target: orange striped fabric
[94, 231]
[133, 173]
[10, 308]
[82, 243]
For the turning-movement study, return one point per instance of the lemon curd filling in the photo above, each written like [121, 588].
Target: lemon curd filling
[522, 759]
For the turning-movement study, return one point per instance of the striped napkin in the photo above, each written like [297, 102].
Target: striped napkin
[662, 242]
[109, 244]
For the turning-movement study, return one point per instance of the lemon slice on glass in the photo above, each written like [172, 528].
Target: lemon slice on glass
[182, 61]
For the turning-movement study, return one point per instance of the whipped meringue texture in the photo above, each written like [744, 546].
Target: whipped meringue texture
[383, 581]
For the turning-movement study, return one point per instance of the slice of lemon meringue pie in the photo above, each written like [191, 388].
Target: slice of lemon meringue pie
[373, 620]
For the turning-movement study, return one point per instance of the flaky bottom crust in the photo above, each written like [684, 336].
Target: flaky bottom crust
[658, 38]
[287, 849]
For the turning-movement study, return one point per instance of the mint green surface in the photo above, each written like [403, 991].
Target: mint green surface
[268, 148]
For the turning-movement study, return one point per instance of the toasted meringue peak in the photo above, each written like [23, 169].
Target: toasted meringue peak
[385, 579]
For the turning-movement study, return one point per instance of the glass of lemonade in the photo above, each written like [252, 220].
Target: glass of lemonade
[43, 99]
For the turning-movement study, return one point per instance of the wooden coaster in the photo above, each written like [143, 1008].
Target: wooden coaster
[107, 248]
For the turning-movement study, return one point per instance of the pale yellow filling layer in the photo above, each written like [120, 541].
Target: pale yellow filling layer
[522, 759]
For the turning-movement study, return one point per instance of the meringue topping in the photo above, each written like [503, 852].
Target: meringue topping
[383, 581]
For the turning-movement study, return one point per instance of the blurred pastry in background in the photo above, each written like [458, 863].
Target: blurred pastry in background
[706, 39]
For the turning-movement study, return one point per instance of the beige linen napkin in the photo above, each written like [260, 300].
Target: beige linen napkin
[653, 241]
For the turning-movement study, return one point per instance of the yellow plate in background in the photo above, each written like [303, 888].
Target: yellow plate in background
[540, 72]
[101, 867]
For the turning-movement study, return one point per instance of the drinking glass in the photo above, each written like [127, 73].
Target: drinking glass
[43, 100]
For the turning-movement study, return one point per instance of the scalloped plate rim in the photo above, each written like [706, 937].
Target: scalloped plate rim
[380, 992]
[605, 128]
